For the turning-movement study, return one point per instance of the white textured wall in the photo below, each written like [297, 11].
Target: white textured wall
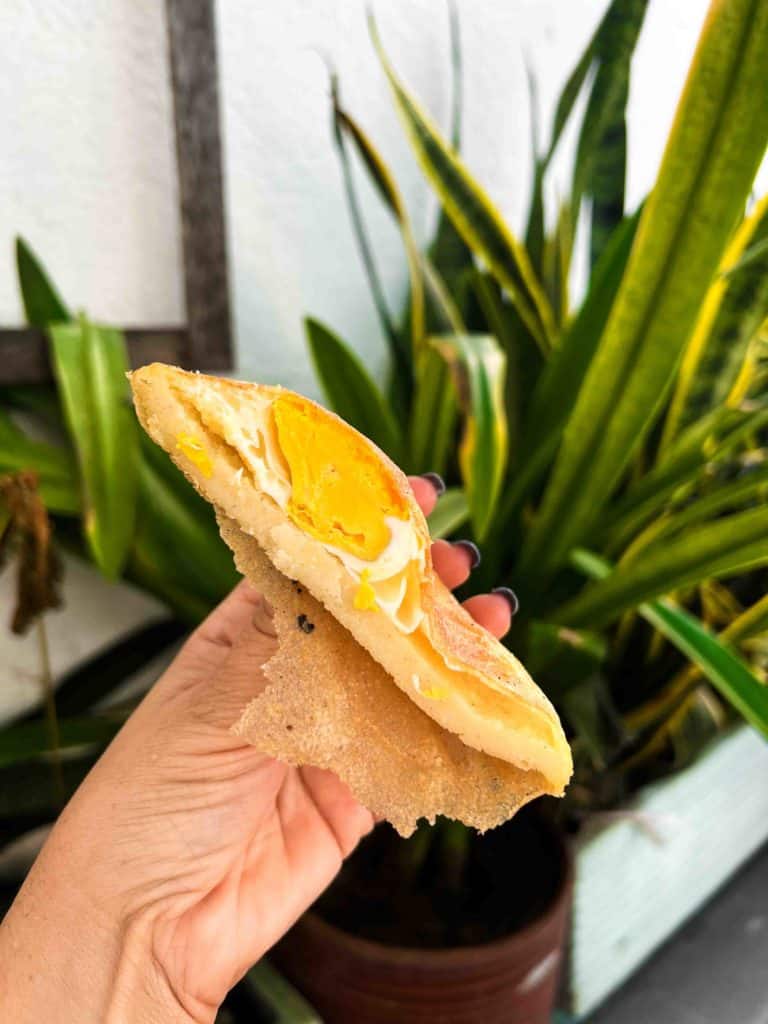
[88, 171]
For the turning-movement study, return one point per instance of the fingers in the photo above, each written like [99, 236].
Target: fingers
[426, 490]
[242, 618]
[493, 611]
[454, 562]
[225, 623]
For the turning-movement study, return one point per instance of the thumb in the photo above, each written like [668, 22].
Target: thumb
[218, 671]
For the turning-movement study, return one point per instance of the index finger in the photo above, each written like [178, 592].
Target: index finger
[425, 492]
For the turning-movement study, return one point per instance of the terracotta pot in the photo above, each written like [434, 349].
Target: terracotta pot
[512, 980]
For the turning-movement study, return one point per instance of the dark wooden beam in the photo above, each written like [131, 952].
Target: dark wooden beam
[24, 351]
[191, 34]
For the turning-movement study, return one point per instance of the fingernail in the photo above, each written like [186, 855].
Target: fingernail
[437, 482]
[475, 558]
[509, 595]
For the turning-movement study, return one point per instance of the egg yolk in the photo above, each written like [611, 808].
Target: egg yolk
[195, 451]
[365, 595]
[339, 493]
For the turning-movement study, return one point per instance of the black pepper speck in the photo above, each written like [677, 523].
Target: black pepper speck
[304, 623]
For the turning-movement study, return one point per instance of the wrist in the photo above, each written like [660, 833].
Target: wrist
[68, 954]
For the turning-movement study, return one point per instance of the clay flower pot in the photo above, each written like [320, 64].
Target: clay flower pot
[512, 979]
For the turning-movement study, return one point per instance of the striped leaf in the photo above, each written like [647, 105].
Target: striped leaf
[711, 439]
[600, 165]
[478, 366]
[724, 547]
[715, 146]
[90, 365]
[559, 384]
[735, 307]
[471, 210]
[386, 185]
[448, 252]
[717, 661]
[433, 414]
[350, 391]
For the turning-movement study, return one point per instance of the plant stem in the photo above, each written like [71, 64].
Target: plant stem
[412, 852]
[455, 839]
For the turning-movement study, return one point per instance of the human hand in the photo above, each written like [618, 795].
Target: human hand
[186, 853]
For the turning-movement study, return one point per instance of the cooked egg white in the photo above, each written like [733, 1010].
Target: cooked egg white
[333, 490]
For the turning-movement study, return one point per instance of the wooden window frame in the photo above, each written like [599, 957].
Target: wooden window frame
[205, 342]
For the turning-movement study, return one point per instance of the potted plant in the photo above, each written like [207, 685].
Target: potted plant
[608, 460]
[610, 469]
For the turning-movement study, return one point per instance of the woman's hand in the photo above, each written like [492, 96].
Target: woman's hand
[186, 853]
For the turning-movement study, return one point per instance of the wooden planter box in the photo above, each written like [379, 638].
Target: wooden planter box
[642, 872]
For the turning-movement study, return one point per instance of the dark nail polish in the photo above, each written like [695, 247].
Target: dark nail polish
[475, 558]
[510, 596]
[437, 482]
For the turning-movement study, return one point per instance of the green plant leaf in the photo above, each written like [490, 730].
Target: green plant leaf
[25, 741]
[733, 310]
[524, 360]
[714, 149]
[433, 415]
[471, 210]
[55, 467]
[725, 547]
[384, 181]
[726, 671]
[350, 391]
[478, 365]
[599, 167]
[42, 303]
[710, 439]
[556, 263]
[601, 142]
[751, 255]
[560, 658]
[451, 512]
[90, 364]
[448, 252]
[283, 1003]
[749, 489]
[558, 386]
[570, 91]
[554, 394]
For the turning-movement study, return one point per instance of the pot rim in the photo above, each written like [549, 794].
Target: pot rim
[501, 947]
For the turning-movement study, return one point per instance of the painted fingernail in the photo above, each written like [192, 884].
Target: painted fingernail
[437, 482]
[509, 595]
[475, 558]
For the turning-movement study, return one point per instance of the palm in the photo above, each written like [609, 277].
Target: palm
[251, 841]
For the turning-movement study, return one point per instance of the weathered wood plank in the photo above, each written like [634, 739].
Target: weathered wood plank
[24, 351]
[191, 33]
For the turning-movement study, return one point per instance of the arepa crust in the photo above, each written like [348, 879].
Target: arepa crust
[486, 696]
